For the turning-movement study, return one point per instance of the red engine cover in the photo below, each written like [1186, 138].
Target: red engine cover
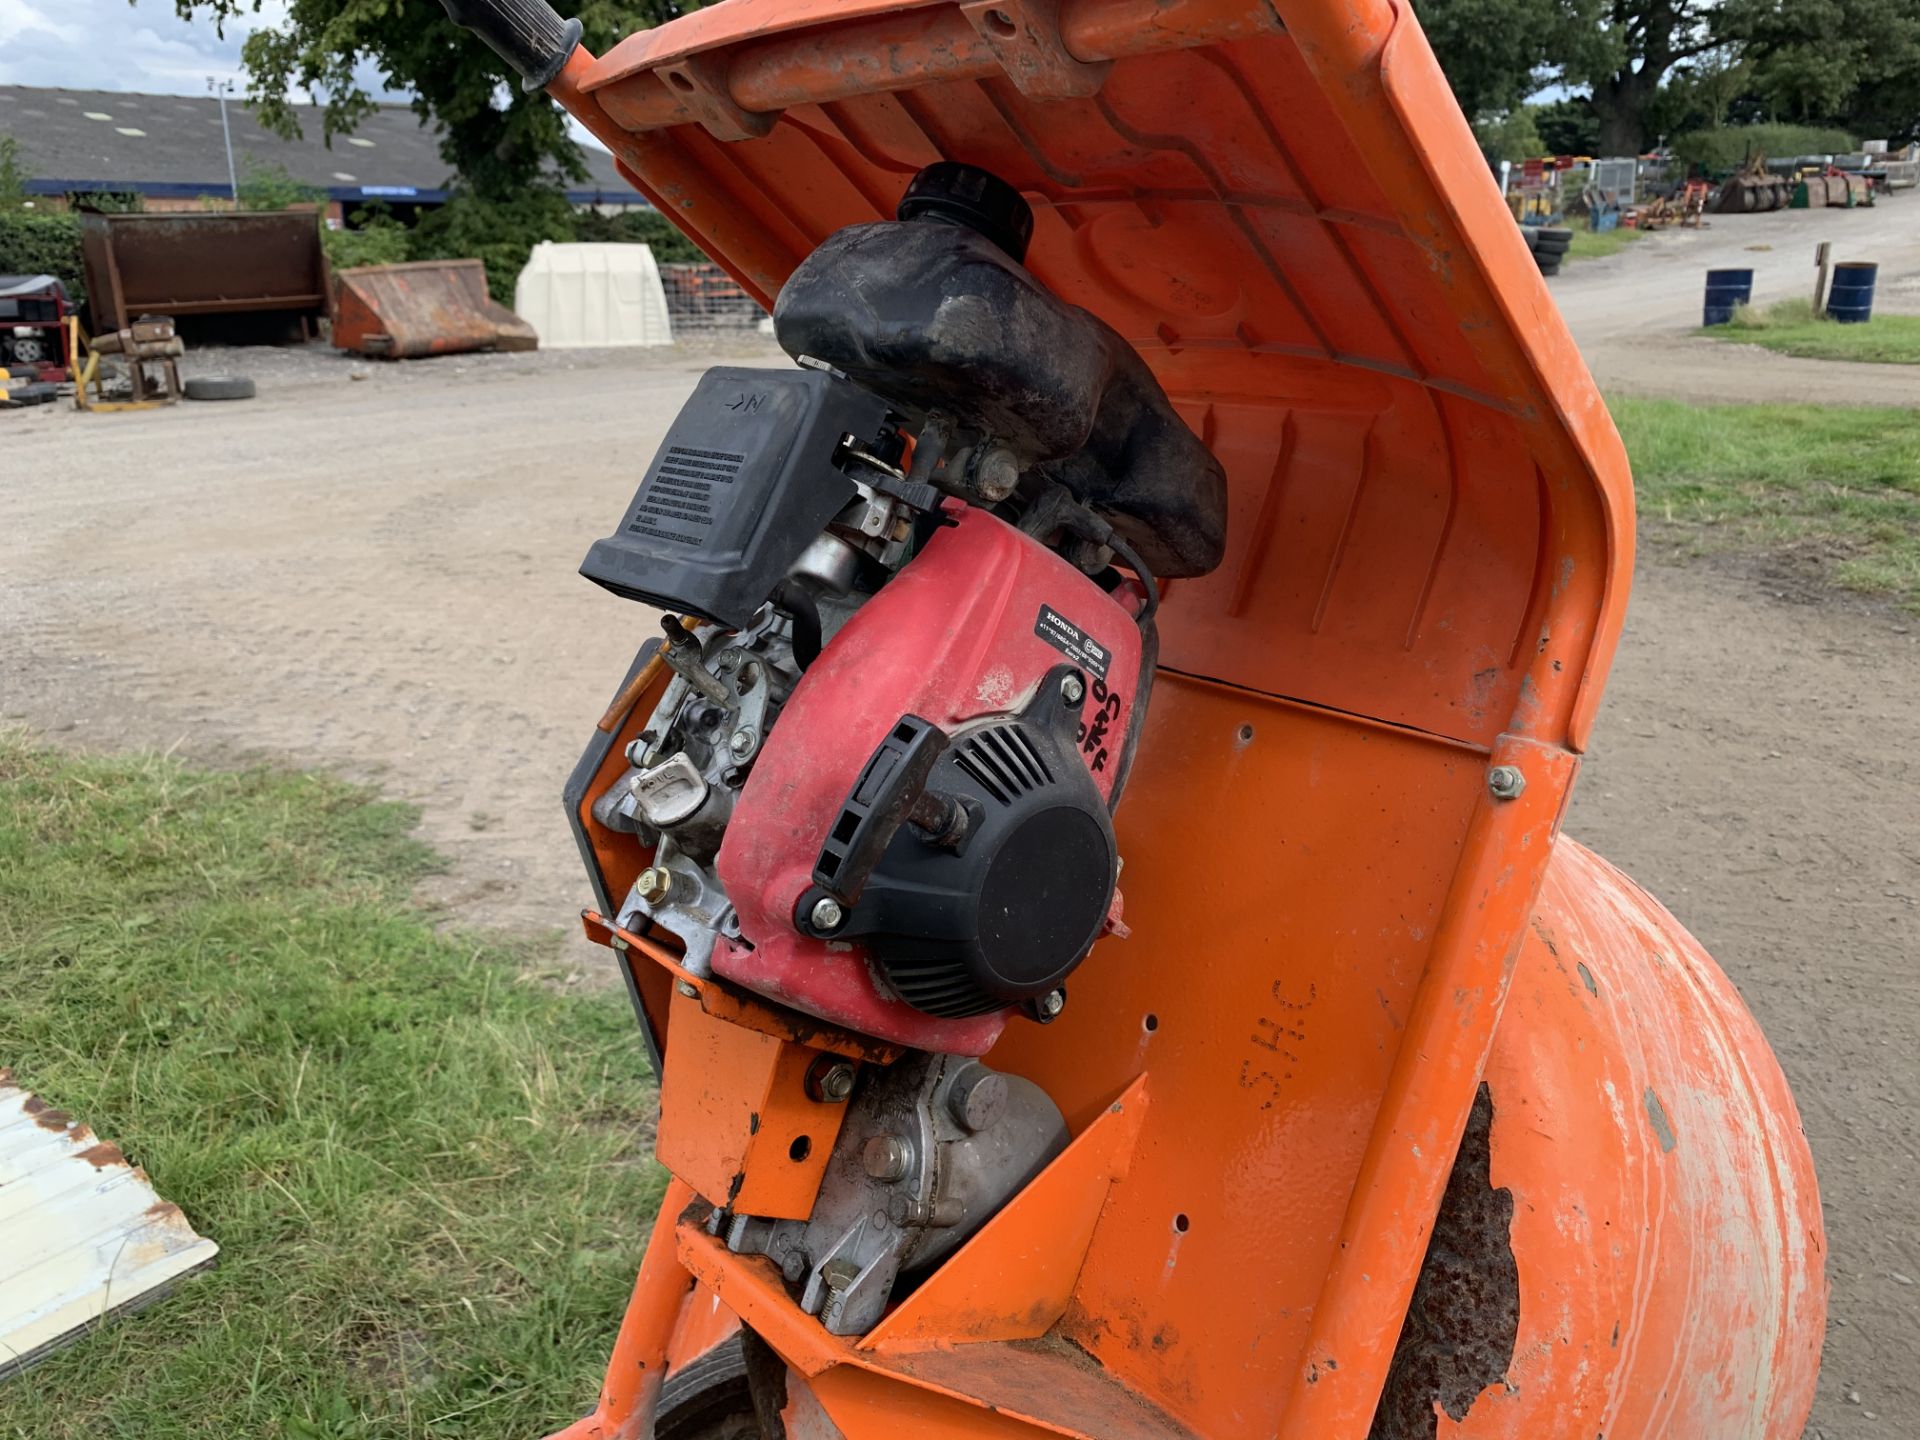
[964, 632]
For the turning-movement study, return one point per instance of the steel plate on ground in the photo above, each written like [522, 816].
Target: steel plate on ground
[83, 1237]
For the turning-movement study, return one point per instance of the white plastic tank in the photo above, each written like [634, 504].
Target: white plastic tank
[578, 296]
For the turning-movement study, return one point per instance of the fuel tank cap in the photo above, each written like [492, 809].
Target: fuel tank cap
[951, 193]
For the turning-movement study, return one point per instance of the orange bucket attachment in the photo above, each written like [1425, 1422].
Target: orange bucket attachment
[428, 307]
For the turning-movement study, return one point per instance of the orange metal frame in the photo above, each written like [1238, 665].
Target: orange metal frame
[1278, 203]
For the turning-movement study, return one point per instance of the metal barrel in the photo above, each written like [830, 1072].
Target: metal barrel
[1727, 290]
[1850, 302]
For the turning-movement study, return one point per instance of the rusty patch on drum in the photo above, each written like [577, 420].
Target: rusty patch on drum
[1464, 1321]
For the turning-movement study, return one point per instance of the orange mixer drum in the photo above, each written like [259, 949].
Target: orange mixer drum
[1666, 1248]
[1393, 1114]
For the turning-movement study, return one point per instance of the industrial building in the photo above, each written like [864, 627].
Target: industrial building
[172, 151]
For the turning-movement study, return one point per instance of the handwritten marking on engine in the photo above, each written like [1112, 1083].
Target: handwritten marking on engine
[1100, 722]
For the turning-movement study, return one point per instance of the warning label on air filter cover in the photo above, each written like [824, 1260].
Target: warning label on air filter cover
[1073, 642]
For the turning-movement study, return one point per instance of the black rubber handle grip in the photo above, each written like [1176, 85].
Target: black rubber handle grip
[528, 34]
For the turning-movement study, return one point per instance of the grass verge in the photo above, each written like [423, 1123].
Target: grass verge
[1599, 244]
[428, 1176]
[1769, 477]
[1791, 328]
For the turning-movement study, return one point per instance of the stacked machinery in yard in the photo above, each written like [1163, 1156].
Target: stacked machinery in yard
[1687, 206]
[33, 324]
[1810, 182]
[1177, 417]
[1753, 188]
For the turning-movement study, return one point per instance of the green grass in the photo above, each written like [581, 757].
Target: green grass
[426, 1165]
[1846, 481]
[1598, 244]
[1791, 328]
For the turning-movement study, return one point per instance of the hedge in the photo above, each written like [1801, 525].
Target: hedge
[37, 242]
[1726, 149]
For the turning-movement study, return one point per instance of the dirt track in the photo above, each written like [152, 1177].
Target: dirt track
[378, 578]
[1634, 314]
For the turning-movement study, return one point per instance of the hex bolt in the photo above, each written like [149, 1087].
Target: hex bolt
[977, 1098]
[794, 1266]
[826, 914]
[655, 884]
[1052, 1003]
[830, 1080]
[1073, 689]
[887, 1157]
[742, 744]
[687, 989]
[1505, 782]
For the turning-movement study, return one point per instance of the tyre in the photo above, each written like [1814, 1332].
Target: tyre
[219, 387]
[709, 1398]
[1550, 267]
[1555, 241]
[1531, 236]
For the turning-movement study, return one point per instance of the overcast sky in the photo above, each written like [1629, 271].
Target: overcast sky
[111, 45]
[143, 46]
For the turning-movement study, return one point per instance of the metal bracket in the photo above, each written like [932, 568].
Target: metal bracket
[1024, 36]
[700, 83]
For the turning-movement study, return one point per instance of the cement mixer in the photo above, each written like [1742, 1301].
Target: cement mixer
[1083, 843]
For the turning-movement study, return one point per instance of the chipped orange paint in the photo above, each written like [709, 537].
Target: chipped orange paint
[736, 1122]
[639, 1365]
[1338, 931]
[736, 1006]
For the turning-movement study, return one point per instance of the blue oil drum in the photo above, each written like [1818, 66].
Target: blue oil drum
[1727, 290]
[1850, 302]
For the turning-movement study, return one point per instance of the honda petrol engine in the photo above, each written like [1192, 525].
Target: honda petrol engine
[910, 590]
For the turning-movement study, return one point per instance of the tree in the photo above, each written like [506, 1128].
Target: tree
[1498, 52]
[1639, 45]
[499, 141]
[268, 186]
[13, 175]
[1855, 62]
[1568, 127]
[1492, 51]
[1512, 136]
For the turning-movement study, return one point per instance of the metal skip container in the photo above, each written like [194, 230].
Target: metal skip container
[204, 264]
[428, 307]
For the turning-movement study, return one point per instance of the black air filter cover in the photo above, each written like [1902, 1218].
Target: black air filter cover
[744, 483]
